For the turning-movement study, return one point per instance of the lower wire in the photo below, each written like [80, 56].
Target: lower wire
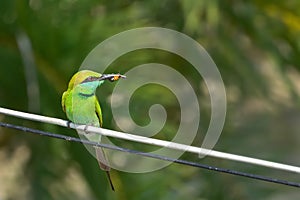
[151, 155]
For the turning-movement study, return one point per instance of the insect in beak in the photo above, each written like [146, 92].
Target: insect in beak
[112, 77]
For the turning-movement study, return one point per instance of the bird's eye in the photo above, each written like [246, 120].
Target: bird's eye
[89, 79]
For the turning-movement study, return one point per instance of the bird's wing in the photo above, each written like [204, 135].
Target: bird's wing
[63, 101]
[98, 111]
[102, 161]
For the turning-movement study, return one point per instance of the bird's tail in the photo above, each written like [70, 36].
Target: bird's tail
[103, 163]
[110, 181]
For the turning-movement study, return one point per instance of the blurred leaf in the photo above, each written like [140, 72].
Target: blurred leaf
[255, 45]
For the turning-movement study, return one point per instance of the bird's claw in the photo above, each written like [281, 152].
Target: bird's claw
[69, 124]
[85, 129]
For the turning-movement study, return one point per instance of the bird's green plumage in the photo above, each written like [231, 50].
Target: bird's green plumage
[82, 106]
[80, 102]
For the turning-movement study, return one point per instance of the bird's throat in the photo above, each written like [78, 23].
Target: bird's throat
[86, 95]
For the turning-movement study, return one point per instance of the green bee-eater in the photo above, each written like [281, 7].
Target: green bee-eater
[81, 105]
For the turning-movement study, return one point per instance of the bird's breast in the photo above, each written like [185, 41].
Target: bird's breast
[81, 109]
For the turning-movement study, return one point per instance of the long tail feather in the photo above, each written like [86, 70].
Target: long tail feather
[110, 181]
[103, 163]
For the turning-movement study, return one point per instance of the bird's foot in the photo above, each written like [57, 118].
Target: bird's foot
[85, 129]
[69, 124]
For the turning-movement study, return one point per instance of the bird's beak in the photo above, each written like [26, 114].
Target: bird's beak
[111, 77]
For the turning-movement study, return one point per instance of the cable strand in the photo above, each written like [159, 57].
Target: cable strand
[152, 141]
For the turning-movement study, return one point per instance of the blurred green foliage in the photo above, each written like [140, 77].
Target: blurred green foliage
[255, 44]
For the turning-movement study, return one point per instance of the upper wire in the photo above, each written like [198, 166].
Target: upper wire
[153, 141]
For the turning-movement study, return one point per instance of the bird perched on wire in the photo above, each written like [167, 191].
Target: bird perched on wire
[81, 105]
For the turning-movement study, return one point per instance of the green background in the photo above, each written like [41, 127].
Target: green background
[255, 45]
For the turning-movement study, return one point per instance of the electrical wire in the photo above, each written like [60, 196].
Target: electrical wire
[151, 155]
[152, 141]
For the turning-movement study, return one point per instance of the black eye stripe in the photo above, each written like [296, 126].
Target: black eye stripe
[89, 79]
[110, 77]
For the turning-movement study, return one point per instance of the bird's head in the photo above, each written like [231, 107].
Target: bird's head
[91, 79]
